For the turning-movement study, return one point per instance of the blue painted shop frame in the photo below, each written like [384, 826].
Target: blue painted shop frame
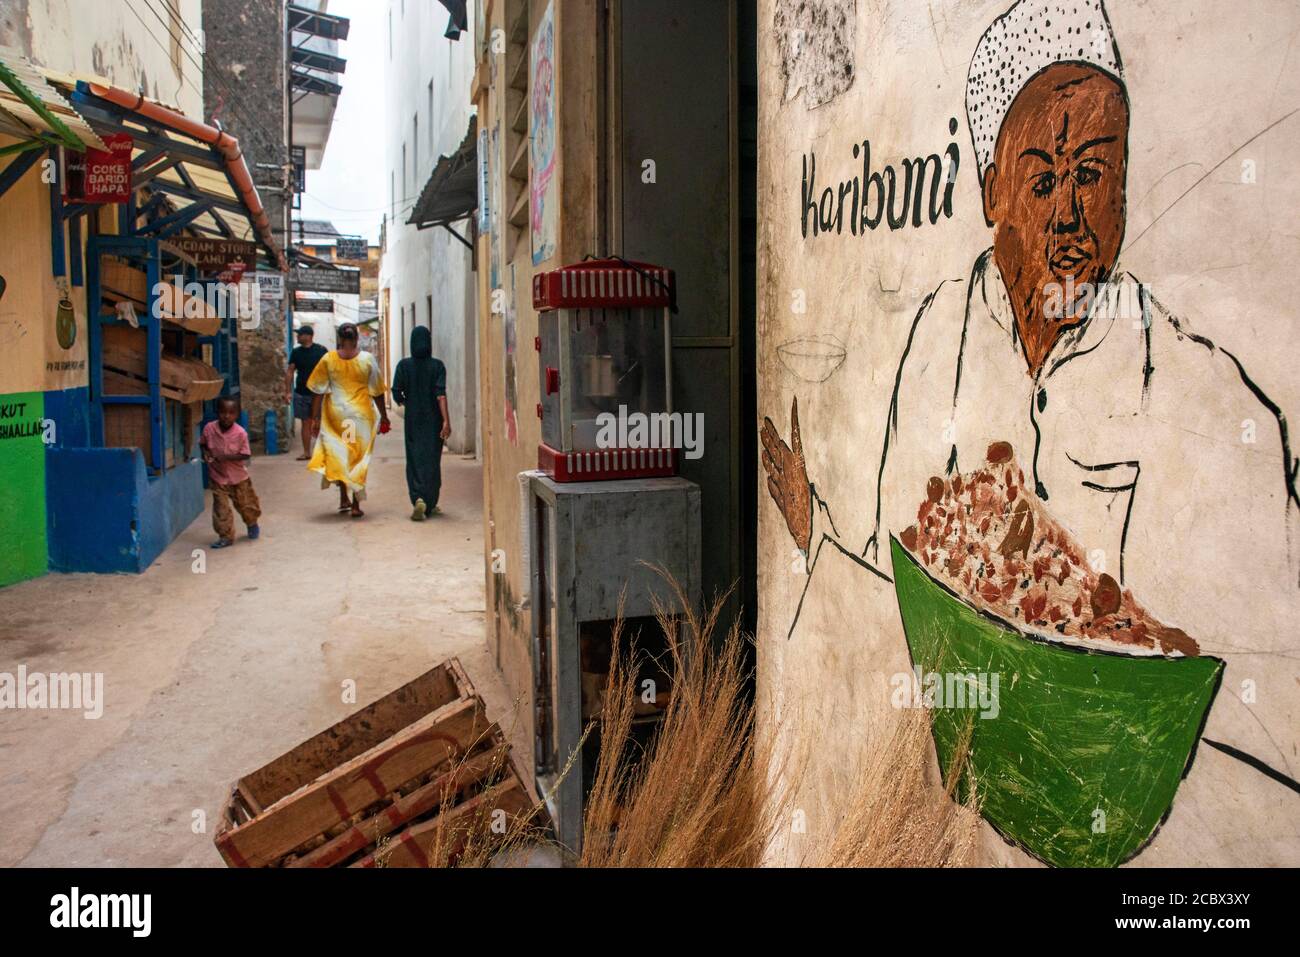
[116, 509]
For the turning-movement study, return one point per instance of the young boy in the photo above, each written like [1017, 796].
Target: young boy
[225, 450]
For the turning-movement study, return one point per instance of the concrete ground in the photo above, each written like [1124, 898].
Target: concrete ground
[209, 675]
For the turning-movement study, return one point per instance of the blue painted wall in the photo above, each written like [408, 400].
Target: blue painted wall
[105, 514]
[69, 409]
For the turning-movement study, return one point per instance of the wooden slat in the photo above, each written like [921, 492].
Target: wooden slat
[355, 734]
[447, 734]
[416, 804]
[414, 847]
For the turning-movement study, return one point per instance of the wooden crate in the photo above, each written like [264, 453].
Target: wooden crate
[403, 782]
[126, 370]
[120, 281]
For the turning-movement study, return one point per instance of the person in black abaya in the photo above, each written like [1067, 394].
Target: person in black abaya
[420, 387]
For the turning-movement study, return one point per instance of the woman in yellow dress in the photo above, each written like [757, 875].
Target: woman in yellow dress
[348, 387]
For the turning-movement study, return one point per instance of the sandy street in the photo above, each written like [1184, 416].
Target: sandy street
[207, 676]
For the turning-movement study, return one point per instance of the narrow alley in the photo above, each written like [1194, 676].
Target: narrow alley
[208, 675]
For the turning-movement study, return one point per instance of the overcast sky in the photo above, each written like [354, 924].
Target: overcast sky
[349, 187]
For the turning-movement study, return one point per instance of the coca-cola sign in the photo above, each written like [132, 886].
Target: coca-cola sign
[100, 176]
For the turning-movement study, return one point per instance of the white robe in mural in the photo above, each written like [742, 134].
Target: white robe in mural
[1154, 447]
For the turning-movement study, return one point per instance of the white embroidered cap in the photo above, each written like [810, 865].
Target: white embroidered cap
[1019, 45]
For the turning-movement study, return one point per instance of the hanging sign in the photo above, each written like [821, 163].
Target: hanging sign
[351, 247]
[271, 284]
[100, 176]
[319, 279]
[229, 259]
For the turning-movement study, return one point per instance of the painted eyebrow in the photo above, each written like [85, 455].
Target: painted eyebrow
[1041, 154]
[1093, 142]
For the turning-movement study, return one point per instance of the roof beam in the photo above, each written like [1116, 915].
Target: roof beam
[327, 25]
[19, 165]
[317, 60]
[169, 225]
[144, 176]
[200, 195]
[107, 119]
[309, 83]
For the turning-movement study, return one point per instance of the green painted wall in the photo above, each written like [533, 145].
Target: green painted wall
[22, 487]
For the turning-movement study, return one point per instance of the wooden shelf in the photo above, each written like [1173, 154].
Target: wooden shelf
[519, 119]
[519, 211]
[518, 168]
[519, 29]
[519, 75]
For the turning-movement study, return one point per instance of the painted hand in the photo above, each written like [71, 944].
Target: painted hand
[787, 477]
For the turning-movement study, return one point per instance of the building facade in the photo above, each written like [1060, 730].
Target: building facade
[106, 378]
[427, 276]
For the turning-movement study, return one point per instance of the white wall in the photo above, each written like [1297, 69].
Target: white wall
[1211, 176]
[131, 44]
[419, 264]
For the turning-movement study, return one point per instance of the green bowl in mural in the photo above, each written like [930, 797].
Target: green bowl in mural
[1087, 748]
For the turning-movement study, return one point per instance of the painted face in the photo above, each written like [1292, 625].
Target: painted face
[1055, 198]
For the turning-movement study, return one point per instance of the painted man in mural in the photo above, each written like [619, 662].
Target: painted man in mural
[1149, 443]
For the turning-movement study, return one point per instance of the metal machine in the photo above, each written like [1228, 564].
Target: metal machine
[604, 511]
[605, 360]
[593, 543]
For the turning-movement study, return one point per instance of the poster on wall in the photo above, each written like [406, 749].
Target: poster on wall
[511, 373]
[1039, 460]
[494, 207]
[541, 131]
[65, 341]
[484, 182]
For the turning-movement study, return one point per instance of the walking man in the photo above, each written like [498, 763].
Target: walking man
[302, 362]
[420, 385]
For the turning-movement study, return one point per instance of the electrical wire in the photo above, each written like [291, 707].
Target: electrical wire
[244, 119]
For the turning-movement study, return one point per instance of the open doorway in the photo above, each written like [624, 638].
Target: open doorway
[679, 175]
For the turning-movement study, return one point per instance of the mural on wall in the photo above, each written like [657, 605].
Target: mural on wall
[541, 130]
[1050, 422]
[65, 349]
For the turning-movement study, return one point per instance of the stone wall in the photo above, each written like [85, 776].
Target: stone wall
[244, 90]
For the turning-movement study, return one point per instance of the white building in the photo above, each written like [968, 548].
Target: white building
[426, 276]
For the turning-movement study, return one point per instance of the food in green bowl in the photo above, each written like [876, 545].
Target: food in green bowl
[1099, 707]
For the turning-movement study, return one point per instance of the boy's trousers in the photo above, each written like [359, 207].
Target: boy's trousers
[245, 502]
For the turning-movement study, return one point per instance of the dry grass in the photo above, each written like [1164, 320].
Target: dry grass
[896, 817]
[695, 797]
[707, 793]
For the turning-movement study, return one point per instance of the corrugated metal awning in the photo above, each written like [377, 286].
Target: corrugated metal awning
[451, 194]
[31, 109]
[195, 175]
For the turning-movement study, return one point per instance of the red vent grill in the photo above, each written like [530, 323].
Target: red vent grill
[604, 284]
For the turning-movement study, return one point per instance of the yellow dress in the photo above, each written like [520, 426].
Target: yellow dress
[349, 418]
